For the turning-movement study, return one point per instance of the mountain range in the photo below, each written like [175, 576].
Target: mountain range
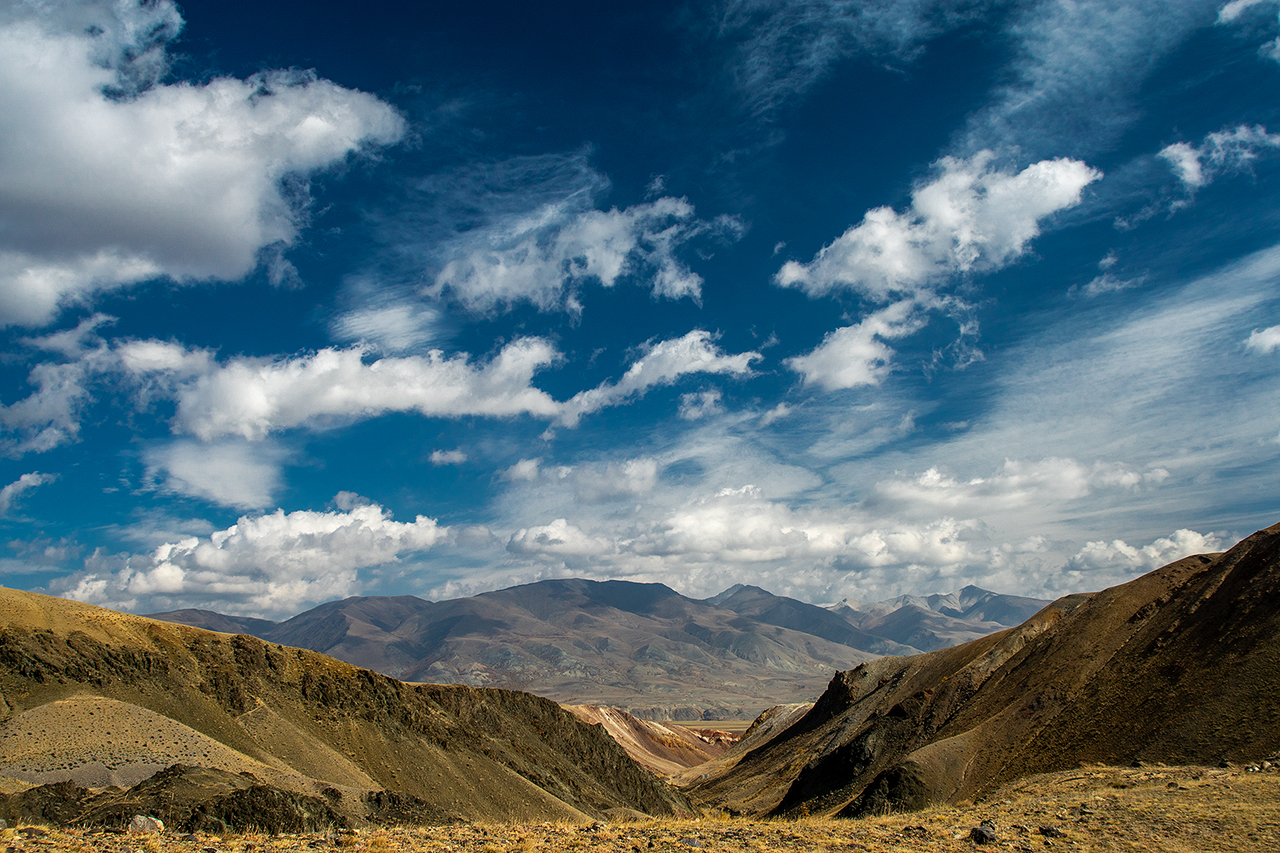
[643, 648]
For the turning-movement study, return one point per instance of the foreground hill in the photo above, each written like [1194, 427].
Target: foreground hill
[1181, 665]
[643, 648]
[99, 697]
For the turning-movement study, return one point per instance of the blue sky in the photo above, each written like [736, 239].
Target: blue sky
[843, 299]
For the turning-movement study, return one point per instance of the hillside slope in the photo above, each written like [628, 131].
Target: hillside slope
[1181, 665]
[95, 696]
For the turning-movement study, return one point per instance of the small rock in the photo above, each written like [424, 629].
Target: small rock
[915, 832]
[690, 842]
[1052, 832]
[982, 835]
[146, 823]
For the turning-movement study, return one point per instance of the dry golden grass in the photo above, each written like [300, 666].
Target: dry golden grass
[1166, 809]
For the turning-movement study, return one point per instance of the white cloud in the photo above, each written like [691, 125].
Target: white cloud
[541, 256]
[625, 480]
[109, 178]
[558, 539]
[525, 469]
[10, 494]
[1221, 152]
[252, 397]
[1264, 341]
[702, 404]
[857, 355]
[448, 457]
[230, 472]
[269, 565]
[775, 414]
[1104, 284]
[662, 364]
[1015, 484]
[970, 218]
[391, 319]
[1233, 10]
[1119, 559]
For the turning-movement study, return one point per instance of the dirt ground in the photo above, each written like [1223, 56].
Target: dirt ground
[1167, 809]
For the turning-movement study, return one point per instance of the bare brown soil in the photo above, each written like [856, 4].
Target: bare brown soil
[1166, 809]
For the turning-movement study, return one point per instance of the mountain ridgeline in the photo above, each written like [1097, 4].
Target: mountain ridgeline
[1179, 666]
[643, 648]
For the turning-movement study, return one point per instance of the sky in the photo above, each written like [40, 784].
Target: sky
[840, 298]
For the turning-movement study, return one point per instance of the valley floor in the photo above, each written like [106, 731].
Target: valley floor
[1167, 809]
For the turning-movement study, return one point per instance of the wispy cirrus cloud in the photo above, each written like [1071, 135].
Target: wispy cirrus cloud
[782, 49]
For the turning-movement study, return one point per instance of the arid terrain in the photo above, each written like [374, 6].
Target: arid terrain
[1158, 809]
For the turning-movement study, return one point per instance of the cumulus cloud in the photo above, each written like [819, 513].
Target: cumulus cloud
[1264, 341]
[232, 472]
[265, 565]
[542, 256]
[110, 177]
[971, 217]
[662, 364]
[558, 539]
[10, 494]
[448, 457]
[1221, 152]
[857, 355]
[251, 397]
[1118, 556]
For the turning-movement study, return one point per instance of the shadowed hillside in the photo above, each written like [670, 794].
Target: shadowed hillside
[101, 697]
[1181, 665]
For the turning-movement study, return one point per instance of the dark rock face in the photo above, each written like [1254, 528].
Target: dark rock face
[1181, 665]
